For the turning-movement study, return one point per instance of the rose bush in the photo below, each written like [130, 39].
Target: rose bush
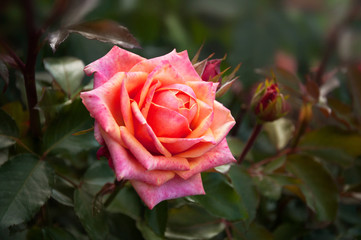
[158, 122]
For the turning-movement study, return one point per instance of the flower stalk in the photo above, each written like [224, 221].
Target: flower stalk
[256, 130]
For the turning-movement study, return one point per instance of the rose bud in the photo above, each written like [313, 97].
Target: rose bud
[212, 69]
[268, 103]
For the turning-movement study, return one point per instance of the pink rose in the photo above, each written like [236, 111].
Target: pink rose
[158, 121]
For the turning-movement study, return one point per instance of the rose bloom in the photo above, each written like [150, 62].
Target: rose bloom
[158, 122]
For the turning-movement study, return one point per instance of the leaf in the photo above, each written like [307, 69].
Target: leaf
[101, 30]
[220, 199]
[67, 72]
[156, 218]
[147, 233]
[280, 132]
[317, 185]
[97, 175]
[126, 202]
[192, 222]
[4, 75]
[333, 137]
[332, 155]
[95, 225]
[8, 130]
[25, 186]
[56, 233]
[245, 188]
[50, 103]
[355, 88]
[21, 117]
[71, 119]
[61, 198]
[254, 232]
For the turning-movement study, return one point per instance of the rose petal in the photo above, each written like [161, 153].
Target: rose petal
[103, 104]
[202, 121]
[177, 145]
[167, 123]
[97, 134]
[221, 125]
[126, 167]
[125, 108]
[180, 61]
[205, 91]
[218, 156]
[149, 161]
[144, 133]
[116, 60]
[175, 188]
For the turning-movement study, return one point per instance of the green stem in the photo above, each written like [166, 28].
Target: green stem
[256, 130]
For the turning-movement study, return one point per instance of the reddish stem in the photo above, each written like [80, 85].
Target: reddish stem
[256, 130]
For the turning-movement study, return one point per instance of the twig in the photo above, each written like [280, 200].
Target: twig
[256, 130]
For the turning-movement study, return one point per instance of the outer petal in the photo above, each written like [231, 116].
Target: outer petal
[126, 167]
[175, 188]
[179, 61]
[116, 60]
[218, 156]
[149, 161]
[104, 105]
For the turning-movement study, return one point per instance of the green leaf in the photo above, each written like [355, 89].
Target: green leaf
[51, 102]
[245, 188]
[4, 75]
[157, 218]
[332, 155]
[254, 232]
[25, 186]
[147, 232]
[8, 130]
[56, 233]
[61, 198]
[220, 199]
[67, 72]
[95, 225]
[127, 202]
[21, 117]
[97, 175]
[72, 118]
[192, 222]
[333, 137]
[317, 185]
[288, 231]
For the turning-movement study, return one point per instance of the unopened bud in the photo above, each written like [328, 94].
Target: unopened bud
[268, 103]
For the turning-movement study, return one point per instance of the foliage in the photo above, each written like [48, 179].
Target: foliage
[300, 179]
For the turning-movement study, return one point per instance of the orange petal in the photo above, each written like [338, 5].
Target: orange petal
[178, 145]
[167, 123]
[126, 167]
[144, 133]
[149, 161]
[218, 156]
[205, 91]
[104, 105]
